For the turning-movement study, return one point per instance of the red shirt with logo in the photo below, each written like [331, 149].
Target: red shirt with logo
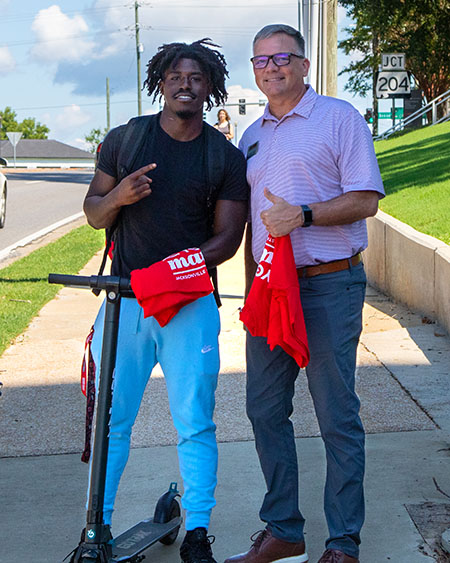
[273, 308]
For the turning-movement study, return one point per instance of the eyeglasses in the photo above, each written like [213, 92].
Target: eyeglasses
[279, 59]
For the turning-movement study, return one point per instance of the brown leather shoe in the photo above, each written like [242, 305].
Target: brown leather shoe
[267, 549]
[336, 556]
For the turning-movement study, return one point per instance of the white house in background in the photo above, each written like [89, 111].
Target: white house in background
[45, 153]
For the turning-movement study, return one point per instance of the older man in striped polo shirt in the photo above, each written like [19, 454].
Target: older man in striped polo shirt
[313, 174]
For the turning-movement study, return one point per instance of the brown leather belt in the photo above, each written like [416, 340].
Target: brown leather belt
[329, 267]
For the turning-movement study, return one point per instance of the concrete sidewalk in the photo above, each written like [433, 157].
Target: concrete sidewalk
[403, 380]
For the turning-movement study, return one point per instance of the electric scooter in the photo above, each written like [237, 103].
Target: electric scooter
[96, 543]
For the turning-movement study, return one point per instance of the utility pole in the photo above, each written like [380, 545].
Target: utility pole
[321, 44]
[300, 17]
[139, 49]
[108, 119]
[317, 22]
[331, 48]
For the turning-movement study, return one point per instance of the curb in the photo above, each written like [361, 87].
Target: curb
[30, 238]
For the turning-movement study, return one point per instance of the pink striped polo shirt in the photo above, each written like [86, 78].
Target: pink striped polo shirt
[319, 150]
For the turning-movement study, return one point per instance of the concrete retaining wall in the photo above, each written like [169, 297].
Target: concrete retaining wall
[411, 267]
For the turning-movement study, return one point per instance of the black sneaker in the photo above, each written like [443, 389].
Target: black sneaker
[196, 547]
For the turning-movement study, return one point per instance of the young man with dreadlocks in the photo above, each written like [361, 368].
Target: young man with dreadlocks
[159, 208]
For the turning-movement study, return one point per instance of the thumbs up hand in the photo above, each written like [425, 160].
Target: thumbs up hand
[272, 197]
[282, 217]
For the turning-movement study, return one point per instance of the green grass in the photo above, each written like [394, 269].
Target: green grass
[416, 173]
[24, 289]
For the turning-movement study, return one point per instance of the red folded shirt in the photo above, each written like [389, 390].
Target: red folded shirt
[165, 287]
[273, 307]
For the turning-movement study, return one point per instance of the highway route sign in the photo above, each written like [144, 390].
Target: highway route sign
[393, 84]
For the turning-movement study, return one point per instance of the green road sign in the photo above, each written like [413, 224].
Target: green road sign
[388, 114]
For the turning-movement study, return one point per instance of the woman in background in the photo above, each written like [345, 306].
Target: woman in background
[224, 124]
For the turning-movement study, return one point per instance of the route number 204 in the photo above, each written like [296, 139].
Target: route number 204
[395, 83]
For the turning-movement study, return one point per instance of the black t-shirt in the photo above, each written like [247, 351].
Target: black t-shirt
[174, 216]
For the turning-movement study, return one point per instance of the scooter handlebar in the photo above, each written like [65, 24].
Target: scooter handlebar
[92, 282]
[64, 279]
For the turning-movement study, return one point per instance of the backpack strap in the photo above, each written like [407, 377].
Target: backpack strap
[136, 132]
[215, 175]
[215, 166]
[134, 137]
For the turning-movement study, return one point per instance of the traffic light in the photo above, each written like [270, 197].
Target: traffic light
[242, 106]
[368, 116]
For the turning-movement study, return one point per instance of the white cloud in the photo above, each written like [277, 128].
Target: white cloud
[80, 144]
[72, 116]
[120, 19]
[59, 37]
[7, 62]
[236, 91]
[66, 125]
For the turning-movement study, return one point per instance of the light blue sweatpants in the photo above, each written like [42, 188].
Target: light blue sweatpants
[188, 351]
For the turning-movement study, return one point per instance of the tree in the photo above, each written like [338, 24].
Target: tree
[29, 128]
[94, 137]
[32, 130]
[8, 122]
[418, 28]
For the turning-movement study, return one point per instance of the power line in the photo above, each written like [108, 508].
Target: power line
[24, 17]
[239, 31]
[248, 98]
[74, 104]
[84, 36]
[221, 6]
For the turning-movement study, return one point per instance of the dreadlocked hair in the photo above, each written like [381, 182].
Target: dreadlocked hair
[211, 61]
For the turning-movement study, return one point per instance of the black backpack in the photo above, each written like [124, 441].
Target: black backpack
[136, 133]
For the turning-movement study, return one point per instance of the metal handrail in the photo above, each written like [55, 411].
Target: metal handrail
[432, 105]
[443, 118]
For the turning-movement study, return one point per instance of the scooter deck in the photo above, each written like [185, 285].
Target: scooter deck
[139, 537]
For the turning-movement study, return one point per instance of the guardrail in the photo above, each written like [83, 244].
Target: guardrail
[430, 106]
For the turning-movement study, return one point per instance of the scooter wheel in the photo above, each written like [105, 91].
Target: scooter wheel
[173, 512]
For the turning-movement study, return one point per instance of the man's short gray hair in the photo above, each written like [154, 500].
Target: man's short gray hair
[272, 29]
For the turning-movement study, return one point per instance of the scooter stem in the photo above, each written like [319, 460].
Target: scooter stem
[94, 524]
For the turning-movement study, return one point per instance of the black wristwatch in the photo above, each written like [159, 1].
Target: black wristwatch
[307, 216]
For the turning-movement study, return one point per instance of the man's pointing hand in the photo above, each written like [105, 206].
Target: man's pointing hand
[135, 186]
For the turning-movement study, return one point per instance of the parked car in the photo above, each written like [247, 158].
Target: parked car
[3, 192]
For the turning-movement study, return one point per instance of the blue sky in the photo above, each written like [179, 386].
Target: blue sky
[55, 57]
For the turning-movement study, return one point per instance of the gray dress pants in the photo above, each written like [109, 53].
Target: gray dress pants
[332, 306]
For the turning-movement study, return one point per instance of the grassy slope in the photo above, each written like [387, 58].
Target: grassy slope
[416, 173]
[24, 289]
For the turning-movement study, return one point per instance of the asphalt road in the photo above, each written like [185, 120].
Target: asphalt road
[39, 199]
